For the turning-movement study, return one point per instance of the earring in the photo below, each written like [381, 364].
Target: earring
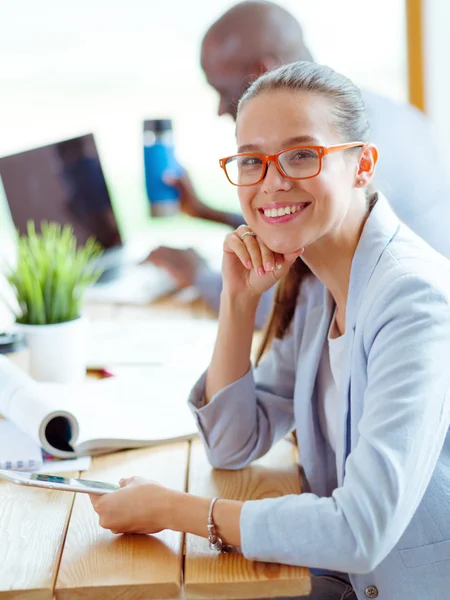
[360, 181]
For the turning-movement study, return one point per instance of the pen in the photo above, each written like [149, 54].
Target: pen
[100, 372]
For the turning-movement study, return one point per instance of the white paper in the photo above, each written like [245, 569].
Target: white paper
[64, 466]
[152, 407]
[105, 415]
[28, 405]
[18, 451]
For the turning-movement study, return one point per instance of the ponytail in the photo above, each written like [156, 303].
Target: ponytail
[284, 304]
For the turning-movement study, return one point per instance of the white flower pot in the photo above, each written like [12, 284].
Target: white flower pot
[57, 352]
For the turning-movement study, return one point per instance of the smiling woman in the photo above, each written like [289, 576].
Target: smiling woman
[268, 114]
[356, 288]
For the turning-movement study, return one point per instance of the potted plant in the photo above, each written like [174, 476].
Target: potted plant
[48, 280]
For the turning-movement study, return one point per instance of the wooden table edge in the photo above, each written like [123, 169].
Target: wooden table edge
[246, 590]
[155, 590]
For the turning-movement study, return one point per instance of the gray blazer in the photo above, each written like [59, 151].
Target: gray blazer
[378, 508]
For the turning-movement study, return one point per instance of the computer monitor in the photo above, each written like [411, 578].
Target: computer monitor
[61, 182]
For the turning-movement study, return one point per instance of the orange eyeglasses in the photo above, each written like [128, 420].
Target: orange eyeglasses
[301, 162]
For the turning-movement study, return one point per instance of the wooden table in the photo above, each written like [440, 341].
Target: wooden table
[51, 545]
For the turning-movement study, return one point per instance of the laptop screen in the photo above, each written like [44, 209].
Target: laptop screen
[61, 182]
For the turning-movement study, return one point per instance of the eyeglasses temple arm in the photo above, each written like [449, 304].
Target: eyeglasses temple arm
[332, 149]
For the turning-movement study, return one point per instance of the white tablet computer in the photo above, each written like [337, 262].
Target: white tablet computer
[54, 482]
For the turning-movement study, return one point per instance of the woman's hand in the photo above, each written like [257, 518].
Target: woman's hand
[249, 266]
[140, 506]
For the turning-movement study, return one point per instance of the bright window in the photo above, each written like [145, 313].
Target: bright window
[104, 65]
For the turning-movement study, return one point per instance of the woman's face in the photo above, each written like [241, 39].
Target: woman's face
[275, 121]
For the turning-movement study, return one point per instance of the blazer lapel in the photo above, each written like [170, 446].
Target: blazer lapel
[380, 228]
[343, 441]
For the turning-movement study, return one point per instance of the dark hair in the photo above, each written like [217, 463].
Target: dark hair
[350, 120]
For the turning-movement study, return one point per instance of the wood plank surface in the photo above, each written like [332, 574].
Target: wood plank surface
[231, 576]
[97, 564]
[33, 524]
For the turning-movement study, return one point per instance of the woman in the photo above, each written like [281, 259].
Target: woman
[357, 364]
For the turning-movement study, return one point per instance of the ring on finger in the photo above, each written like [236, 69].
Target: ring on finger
[252, 233]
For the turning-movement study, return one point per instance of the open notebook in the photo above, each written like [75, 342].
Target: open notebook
[99, 416]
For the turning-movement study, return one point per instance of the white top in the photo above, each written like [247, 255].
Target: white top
[328, 383]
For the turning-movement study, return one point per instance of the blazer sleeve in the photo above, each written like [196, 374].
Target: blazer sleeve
[242, 421]
[402, 430]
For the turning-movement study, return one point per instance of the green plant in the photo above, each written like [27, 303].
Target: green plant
[51, 274]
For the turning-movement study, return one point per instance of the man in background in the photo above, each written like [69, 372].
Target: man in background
[256, 36]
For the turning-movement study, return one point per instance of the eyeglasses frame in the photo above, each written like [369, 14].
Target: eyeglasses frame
[321, 151]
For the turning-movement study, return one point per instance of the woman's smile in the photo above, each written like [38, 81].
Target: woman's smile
[278, 213]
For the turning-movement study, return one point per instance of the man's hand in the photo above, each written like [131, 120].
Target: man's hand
[182, 265]
[189, 202]
[191, 205]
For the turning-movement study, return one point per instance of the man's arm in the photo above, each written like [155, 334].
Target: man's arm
[194, 207]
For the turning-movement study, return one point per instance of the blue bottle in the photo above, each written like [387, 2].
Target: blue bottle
[159, 157]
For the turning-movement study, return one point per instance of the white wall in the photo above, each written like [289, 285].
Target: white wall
[436, 41]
